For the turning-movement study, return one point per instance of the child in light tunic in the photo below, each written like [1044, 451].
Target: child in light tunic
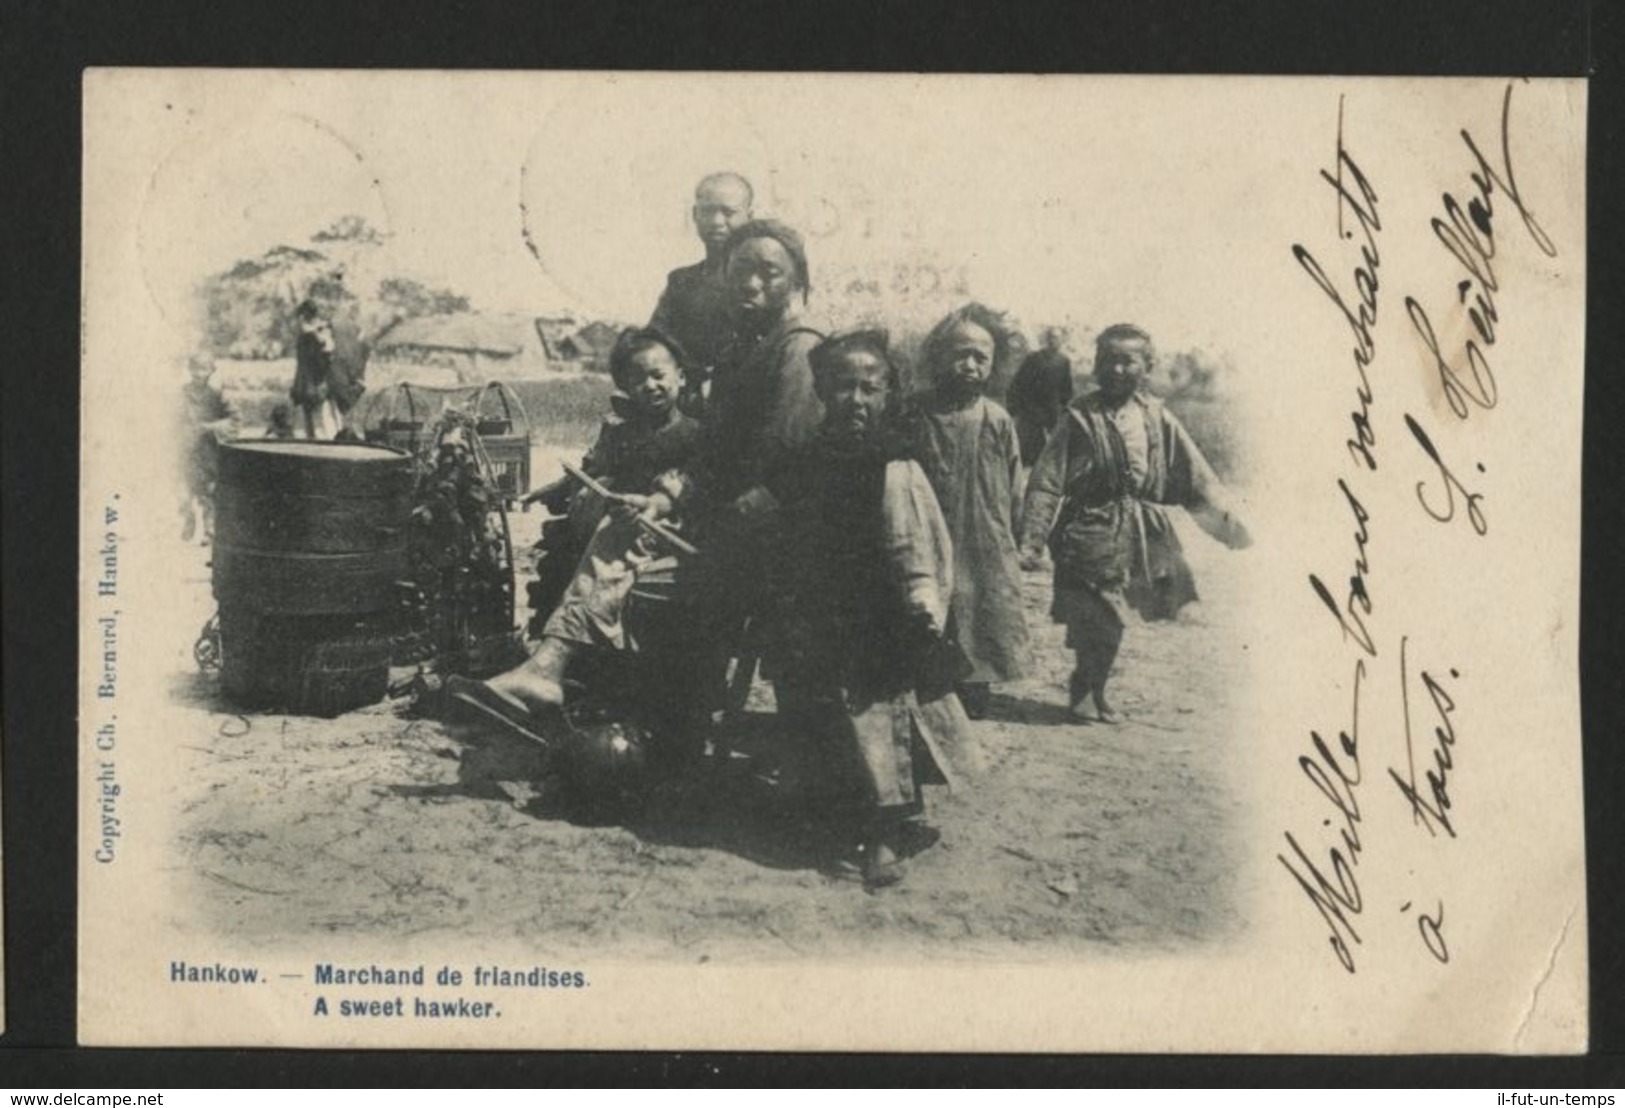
[968, 447]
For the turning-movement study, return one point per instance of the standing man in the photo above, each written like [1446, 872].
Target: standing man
[313, 373]
[325, 384]
[695, 307]
[1039, 394]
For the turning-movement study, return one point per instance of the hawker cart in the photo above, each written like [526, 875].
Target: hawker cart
[311, 540]
[334, 561]
[403, 415]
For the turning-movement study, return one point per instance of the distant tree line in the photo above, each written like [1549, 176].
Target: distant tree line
[248, 308]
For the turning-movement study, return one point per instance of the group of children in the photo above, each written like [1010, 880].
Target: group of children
[874, 542]
[1097, 497]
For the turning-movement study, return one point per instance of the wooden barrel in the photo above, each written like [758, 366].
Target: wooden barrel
[311, 528]
[310, 541]
[309, 665]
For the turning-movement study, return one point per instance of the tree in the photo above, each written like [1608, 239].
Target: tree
[408, 298]
[248, 308]
[352, 229]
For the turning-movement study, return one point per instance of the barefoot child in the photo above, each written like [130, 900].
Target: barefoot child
[1100, 495]
[969, 450]
[643, 438]
[210, 419]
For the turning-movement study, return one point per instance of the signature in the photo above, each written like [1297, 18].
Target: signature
[1445, 512]
[1467, 232]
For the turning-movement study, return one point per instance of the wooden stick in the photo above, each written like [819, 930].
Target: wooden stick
[594, 486]
[652, 526]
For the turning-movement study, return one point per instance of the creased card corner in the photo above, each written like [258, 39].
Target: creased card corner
[1554, 1020]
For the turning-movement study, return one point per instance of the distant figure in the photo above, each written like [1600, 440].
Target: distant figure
[280, 422]
[323, 386]
[209, 420]
[694, 309]
[1040, 392]
[967, 446]
[1100, 495]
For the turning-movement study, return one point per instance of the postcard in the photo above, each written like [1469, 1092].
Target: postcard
[831, 562]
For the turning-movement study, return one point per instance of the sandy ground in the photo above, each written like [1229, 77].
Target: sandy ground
[1080, 837]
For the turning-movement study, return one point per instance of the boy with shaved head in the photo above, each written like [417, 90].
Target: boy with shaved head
[694, 309]
[864, 672]
[1100, 497]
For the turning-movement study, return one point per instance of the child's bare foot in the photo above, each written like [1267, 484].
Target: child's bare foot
[536, 692]
[538, 682]
[1107, 713]
[881, 866]
[1079, 688]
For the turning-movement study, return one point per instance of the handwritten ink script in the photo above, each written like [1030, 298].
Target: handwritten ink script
[1469, 234]
[1470, 225]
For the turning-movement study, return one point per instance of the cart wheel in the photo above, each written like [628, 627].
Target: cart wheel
[206, 651]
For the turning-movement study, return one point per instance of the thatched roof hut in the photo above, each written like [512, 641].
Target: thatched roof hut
[478, 346]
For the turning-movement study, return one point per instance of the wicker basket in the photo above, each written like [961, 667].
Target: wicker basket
[342, 675]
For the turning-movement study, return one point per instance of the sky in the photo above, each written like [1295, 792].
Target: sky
[1055, 200]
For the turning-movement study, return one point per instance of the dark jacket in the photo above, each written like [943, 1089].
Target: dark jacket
[860, 617]
[763, 405]
[320, 373]
[694, 310]
[1108, 529]
[1041, 390]
[629, 456]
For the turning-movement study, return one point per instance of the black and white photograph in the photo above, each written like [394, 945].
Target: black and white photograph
[721, 561]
